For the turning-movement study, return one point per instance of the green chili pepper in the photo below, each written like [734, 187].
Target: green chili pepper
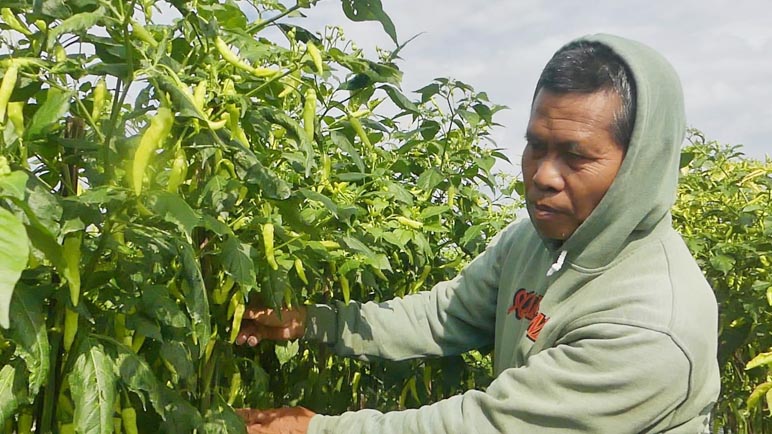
[345, 288]
[378, 273]
[355, 386]
[268, 244]
[326, 168]
[422, 278]
[152, 138]
[129, 418]
[236, 61]
[210, 345]
[220, 294]
[67, 428]
[141, 33]
[309, 113]
[199, 95]
[13, 22]
[451, 196]
[315, 56]
[301, 271]
[6, 88]
[357, 126]
[16, 116]
[238, 315]
[234, 389]
[71, 253]
[70, 327]
[330, 245]
[410, 223]
[137, 342]
[178, 171]
[59, 53]
[234, 117]
[24, 425]
[100, 93]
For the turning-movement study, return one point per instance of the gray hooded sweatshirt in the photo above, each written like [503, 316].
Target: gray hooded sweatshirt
[614, 331]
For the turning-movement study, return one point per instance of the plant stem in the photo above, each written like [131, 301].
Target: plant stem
[54, 372]
[259, 26]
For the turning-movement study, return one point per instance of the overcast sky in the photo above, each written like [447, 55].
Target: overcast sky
[721, 49]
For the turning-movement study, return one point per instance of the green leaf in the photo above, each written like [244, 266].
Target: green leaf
[296, 132]
[221, 419]
[12, 390]
[157, 301]
[181, 416]
[434, 211]
[429, 129]
[93, 384]
[722, 263]
[75, 24]
[686, 158]
[429, 179]
[13, 185]
[285, 351]
[195, 296]
[174, 209]
[370, 10]
[272, 186]
[181, 98]
[428, 91]
[137, 376]
[401, 100]
[28, 331]
[342, 142]
[759, 360]
[57, 105]
[238, 262]
[341, 213]
[357, 246]
[14, 252]
[179, 358]
[757, 393]
[471, 234]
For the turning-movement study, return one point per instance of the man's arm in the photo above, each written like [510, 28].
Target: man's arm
[602, 378]
[454, 317]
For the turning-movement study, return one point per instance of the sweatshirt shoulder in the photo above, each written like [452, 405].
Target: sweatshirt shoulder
[655, 284]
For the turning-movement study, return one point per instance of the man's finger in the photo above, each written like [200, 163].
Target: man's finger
[248, 330]
[259, 429]
[253, 416]
[251, 333]
[270, 317]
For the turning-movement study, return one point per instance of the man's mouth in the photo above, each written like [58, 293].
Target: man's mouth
[544, 212]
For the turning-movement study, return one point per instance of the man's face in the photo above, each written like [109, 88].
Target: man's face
[570, 159]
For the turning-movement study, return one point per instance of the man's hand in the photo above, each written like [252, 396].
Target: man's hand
[288, 420]
[262, 323]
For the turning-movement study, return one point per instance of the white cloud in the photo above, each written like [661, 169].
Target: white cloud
[721, 50]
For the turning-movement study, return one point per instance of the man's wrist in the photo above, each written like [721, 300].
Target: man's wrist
[321, 323]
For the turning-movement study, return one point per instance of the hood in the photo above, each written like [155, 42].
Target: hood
[645, 187]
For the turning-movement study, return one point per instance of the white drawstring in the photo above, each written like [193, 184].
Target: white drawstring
[554, 268]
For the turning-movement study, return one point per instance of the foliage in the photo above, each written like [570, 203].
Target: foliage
[157, 175]
[724, 211]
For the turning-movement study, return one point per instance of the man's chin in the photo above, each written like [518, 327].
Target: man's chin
[551, 231]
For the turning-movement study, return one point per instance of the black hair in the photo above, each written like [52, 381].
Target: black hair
[588, 67]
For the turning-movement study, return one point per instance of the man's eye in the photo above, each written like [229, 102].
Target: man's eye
[536, 146]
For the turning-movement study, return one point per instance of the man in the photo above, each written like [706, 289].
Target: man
[600, 318]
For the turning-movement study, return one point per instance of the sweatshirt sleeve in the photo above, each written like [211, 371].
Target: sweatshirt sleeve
[601, 378]
[451, 318]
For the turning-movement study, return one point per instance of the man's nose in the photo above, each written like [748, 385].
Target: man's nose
[548, 176]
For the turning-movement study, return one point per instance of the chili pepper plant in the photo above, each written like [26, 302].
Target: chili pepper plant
[163, 165]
